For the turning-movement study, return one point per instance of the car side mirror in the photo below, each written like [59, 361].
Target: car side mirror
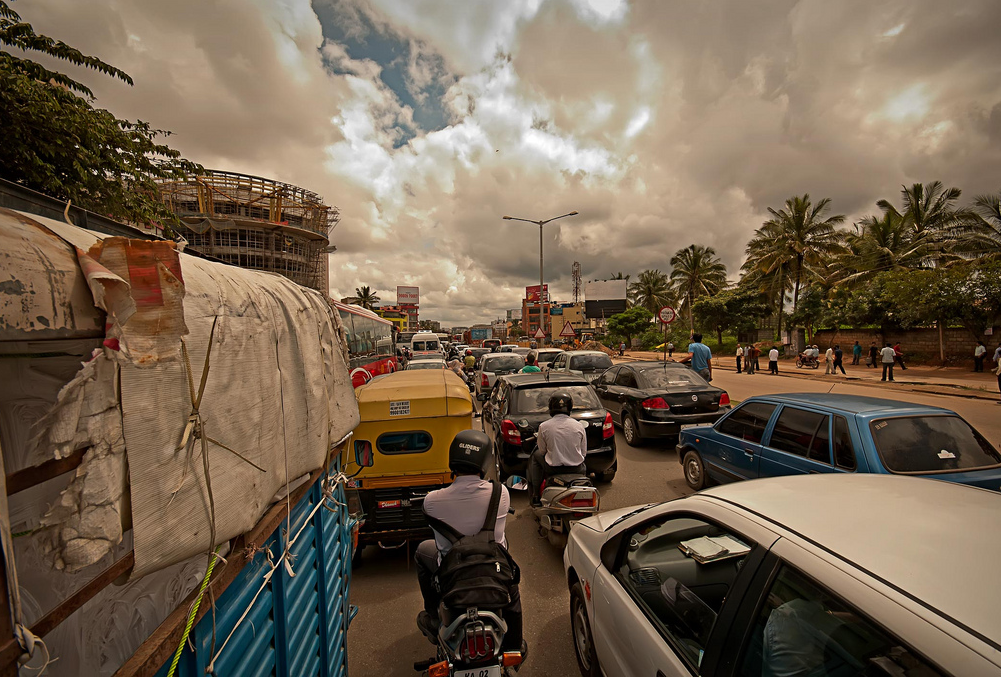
[483, 397]
[363, 454]
[516, 482]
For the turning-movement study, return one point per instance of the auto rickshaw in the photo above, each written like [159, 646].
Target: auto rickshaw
[400, 451]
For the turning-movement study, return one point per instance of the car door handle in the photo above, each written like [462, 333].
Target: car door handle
[749, 452]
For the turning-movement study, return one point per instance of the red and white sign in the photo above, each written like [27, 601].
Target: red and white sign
[408, 296]
[539, 333]
[666, 314]
[568, 331]
[532, 293]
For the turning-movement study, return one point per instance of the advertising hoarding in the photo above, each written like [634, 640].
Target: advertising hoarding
[479, 333]
[604, 298]
[532, 293]
[408, 296]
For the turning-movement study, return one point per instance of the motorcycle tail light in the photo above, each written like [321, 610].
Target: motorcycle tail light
[511, 659]
[439, 670]
[656, 403]
[510, 432]
[607, 429]
[477, 644]
[587, 500]
[724, 399]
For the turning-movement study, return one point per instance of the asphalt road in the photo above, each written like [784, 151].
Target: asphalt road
[384, 640]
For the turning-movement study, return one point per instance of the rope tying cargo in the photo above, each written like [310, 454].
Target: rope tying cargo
[193, 613]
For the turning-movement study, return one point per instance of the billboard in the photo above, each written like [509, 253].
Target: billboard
[605, 290]
[408, 296]
[479, 333]
[532, 293]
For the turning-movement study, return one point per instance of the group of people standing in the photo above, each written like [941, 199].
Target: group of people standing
[747, 359]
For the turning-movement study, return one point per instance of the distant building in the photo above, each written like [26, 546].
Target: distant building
[499, 328]
[561, 313]
[399, 319]
[432, 325]
[513, 314]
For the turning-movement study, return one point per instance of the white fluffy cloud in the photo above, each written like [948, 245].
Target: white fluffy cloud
[662, 123]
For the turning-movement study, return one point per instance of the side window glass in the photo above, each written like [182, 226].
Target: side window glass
[803, 629]
[844, 450]
[803, 433]
[626, 378]
[608, 377]
[747, 422]
[680, 594]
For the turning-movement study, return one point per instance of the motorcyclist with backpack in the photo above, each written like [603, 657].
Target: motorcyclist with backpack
[458, 510]
[562, 444]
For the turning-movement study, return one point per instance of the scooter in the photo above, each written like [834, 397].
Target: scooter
[469, 645]
[807, 361]
[565, 499]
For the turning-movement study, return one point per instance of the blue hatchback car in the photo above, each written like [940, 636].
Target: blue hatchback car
[799, 433]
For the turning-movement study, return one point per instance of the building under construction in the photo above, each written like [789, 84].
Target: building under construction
[256, 223]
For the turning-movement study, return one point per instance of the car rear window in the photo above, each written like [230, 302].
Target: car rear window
[507, 362]
[931, 444]
[410, 442]
[670, 377]
[546, 358]
[590, 362]
[426, 364]
[536, 400]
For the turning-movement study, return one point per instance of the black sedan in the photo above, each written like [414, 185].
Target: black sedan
[520, 402]
[654, 399]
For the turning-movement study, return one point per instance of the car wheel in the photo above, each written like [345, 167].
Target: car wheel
[630, 430]
[583, 641]
[695, 471]
[609, 473]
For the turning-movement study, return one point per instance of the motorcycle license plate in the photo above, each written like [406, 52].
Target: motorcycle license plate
[491, 671]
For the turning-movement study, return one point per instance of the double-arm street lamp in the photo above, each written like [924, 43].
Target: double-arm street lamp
[540, 224]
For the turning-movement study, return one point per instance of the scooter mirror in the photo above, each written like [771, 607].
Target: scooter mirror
[516, 482]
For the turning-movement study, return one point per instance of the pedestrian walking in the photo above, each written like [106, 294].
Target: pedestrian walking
[749, 359]
[899, 354]
[622, 349]
[773, 361]
[887, 355]
[670, 349]
[979, 353]
[873, 355]
[757, 356]
[740, 355]
[829, 361]
[856, 353]
[839, 356]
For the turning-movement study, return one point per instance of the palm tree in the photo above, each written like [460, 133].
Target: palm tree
[652, 290]
[930, 212]
[883, 243]
[364, 297]
[978, 235]
[696, 271]
[800, 239]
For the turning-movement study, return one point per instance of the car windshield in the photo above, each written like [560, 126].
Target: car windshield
[505, 362]
[931, 444]
[547, 358]
[536, 400]
[590, 362]
[670, 377]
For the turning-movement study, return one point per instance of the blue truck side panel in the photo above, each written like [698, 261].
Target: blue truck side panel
[298, 624]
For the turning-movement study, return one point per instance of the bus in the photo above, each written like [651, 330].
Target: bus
[370, 343]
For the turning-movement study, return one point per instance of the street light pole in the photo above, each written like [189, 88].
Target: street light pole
[540, 224]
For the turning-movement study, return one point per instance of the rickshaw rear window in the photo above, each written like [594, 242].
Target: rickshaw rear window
[412, 442]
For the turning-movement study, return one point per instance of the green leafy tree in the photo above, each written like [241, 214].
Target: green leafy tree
[931, 213]
[630, 323]
[364, 297]
[978, 235]
[652, 290]
[56, 142]
[735, 310]
[696, 271]
[883, 243]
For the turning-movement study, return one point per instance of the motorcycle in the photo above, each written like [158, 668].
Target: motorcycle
[807, 361]
[566, 498]
[469, 645]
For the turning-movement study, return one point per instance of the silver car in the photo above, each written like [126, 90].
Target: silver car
[587, 363]
[804, 575]
[491, 366]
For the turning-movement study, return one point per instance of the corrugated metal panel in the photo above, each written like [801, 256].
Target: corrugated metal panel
[298, 624]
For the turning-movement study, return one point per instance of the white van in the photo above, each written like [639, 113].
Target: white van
[425, 342]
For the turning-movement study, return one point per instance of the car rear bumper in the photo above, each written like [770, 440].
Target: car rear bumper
[672, 426]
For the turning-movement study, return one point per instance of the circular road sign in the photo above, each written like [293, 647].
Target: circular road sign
[666, 314]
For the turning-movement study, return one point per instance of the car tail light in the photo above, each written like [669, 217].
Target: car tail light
[477, 644]
[607, 429]
[585, 500]
[724, 399]
[655, 403]
[484, 381]
[510, 432]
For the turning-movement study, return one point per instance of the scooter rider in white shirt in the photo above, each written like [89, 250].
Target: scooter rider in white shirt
[562, 444]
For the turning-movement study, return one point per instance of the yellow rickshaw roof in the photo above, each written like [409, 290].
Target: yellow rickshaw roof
[427, 392]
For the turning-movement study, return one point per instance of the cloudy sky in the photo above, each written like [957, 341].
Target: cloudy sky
[663, 122]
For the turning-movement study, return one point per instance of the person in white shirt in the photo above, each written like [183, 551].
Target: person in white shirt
[740, 354]
[978, 356]
[829, 361]
[773, 361]
[887, 356]
[562, 444]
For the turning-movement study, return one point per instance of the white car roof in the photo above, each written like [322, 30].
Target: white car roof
[571, 353]
[934, 541]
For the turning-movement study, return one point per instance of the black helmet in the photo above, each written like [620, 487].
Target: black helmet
[470, 453]
[560, 402]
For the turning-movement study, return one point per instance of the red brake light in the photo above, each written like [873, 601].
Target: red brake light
[655, 403]
[724, 399]
[588, 500]
[484, 381]
[510, 432]
[477, 644]
[607, 429]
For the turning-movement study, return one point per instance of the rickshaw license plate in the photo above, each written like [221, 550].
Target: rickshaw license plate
[492, 671]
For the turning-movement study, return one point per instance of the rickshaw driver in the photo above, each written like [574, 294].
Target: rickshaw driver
[461, 505]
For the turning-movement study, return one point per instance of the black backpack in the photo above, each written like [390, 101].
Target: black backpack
[477, 571]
